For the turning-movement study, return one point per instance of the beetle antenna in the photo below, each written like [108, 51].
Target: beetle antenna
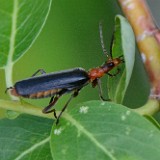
[102, 41]
[111, 45]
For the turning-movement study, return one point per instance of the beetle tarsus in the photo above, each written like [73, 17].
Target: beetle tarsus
[55, 115]
[98, 81]
[48, 108]
[104, 99]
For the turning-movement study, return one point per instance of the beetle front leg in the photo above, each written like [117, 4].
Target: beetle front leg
[39, 70]
[113, 75]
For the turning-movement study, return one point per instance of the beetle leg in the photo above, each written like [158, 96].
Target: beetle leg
[52, 102]
[100, 91]
[48, 108]
[121, 58]
[8, 89]
[51, 99]
[94, 83]
[65, 106]
[113, 75]
[39, 70]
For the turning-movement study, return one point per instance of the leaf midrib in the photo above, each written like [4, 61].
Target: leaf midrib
[13, 32]
[88, 134]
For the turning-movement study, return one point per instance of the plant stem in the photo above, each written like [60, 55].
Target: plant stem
[8, 76]
[148, 39]
[150, 108]
[24, 107]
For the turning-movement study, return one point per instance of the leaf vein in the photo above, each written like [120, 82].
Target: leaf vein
[32, 148]
[6, 13]
[13, 31]
[88, 134]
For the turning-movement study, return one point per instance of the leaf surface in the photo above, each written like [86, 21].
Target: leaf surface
[24, 138]
[104, 130]
[21, 22]
[123, 45]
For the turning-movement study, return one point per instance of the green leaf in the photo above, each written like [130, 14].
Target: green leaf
[123, 44]
[11, 114]
[2, 113]
[104, 130]
[26, 137]
[21, 22]
[152, 120]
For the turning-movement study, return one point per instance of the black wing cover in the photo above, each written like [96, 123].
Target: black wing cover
[67, 79]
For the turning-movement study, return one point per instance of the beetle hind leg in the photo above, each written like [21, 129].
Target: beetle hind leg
[65, 106]
[51, 104]
[52, 98]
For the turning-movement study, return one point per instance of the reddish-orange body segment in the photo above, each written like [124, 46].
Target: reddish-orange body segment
[99, 72]
[96, 73]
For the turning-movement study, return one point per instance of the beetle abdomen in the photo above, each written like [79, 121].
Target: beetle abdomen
[43, 94]
[37, 95]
